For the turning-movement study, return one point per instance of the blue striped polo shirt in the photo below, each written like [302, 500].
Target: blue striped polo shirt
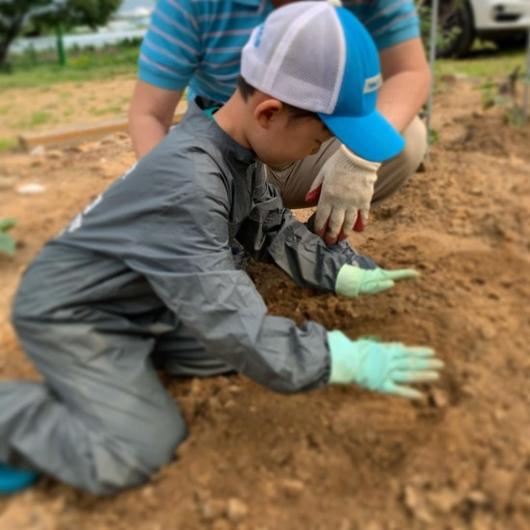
[197, 43]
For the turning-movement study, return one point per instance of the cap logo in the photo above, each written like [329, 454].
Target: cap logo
[371, 84]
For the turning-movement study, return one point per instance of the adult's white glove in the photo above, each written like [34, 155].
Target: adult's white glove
[345, 185]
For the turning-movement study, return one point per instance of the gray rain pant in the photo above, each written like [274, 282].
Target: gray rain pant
[101, 419]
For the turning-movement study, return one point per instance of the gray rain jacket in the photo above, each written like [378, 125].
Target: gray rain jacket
[172, 218]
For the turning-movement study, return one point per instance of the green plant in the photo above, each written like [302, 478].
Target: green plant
[7, 243]
[504, 95]
[515, 116]
[433, 136]
[488, 94]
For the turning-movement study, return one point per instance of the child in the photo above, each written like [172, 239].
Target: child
[145, 274]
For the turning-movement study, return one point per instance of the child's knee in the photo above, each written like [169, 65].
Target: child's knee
[170, 432]
[123, 464]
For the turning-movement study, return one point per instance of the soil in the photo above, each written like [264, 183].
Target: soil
[338, 458]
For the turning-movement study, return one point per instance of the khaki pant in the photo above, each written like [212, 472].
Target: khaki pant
[295, 179]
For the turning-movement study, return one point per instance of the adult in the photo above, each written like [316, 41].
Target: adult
[196, 44]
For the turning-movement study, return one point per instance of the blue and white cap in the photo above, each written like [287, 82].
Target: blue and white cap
[320, 58]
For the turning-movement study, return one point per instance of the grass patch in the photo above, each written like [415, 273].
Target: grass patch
[482, 63]
[6, 144]
[39, 117]
[114, 61]
[82, 65]
[35, 119]
[44, 76]
[111, 109]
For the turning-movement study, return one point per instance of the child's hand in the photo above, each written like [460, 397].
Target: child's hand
[353, 281]
[379, 366]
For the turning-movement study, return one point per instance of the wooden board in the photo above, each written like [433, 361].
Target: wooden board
[80, 133]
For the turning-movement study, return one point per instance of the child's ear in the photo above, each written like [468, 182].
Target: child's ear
[267, 111]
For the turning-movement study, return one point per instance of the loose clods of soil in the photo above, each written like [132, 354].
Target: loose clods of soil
[338, 458]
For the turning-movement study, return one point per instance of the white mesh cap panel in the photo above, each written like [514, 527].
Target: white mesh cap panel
[298, 56]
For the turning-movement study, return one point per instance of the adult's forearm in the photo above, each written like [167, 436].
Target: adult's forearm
[150, 115]
[402, 96]
[146, 132]
[406, 82]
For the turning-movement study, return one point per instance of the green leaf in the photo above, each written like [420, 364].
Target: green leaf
[7, 244]
[433, 136]
[7, 224]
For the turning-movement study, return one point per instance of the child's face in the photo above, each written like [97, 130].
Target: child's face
[278, 137]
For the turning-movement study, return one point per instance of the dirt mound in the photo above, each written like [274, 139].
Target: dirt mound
[342, 458]
[482, 132]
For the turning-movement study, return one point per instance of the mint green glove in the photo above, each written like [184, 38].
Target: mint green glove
[352, 281]
[380, 366]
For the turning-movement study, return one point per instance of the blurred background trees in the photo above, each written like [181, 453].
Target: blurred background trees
[40, 16]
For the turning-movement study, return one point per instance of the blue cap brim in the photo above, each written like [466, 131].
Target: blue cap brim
[371, 137]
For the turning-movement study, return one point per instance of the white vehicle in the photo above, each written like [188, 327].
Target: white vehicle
[502, 21]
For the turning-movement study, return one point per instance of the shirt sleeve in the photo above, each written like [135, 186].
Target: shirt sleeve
[272, 233]
[186, 257]
[171, 47]
[390, 22]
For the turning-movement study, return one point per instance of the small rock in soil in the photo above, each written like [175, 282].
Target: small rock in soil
[236, 510]
[444, 500]
[477, 497]
[54, 154]
[415, 502]
[211, 509]
[440, 398]
[292, 487]
[109, 139]
[37, 151]
[31, 188]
